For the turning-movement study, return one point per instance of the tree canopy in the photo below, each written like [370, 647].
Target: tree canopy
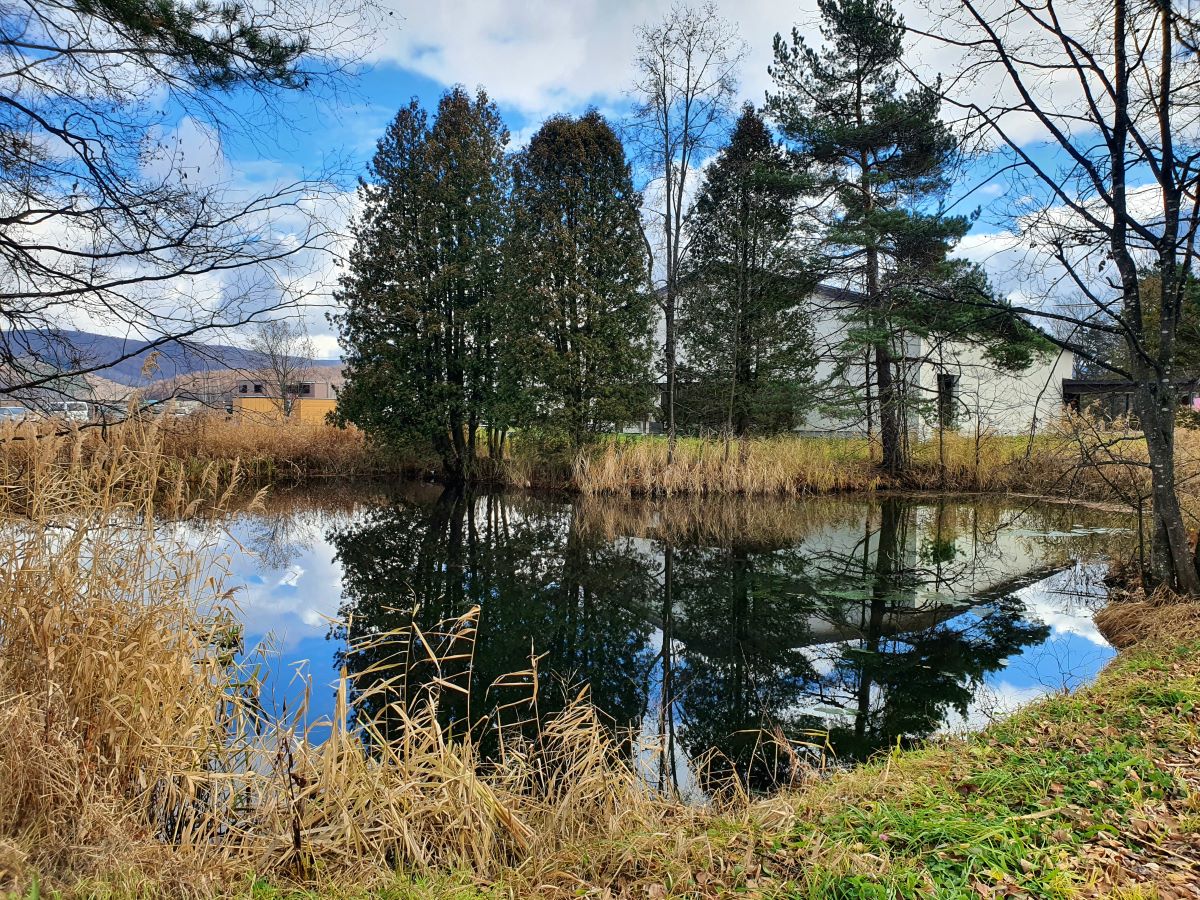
[421, 292]
[577, 309]
[745, 326]
[882, 155]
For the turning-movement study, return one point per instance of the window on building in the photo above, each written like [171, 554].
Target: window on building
[302, 389]
[258, 389]
[947, 400]
[242, 389]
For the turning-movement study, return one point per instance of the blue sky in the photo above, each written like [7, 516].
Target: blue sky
[535, 59]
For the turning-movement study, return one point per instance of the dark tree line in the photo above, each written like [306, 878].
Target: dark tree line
[509, 298]
[486, 293]
[746, 335]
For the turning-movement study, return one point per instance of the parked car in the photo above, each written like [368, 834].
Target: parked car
[13, 414]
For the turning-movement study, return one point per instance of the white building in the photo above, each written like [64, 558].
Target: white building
[949, 383]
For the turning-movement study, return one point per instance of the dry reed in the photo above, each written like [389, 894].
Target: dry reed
[138, 758]
[1078, 457]
[275, 451]
[134, 739]
[784, 465]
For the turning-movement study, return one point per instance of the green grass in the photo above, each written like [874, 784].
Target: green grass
[1015, 808]
[1020, 809]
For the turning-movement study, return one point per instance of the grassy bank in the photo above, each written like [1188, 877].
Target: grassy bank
[139, 762]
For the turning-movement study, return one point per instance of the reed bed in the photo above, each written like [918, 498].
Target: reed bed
[277, 451]
[136, 742]
[1078, 458]
[784, 465]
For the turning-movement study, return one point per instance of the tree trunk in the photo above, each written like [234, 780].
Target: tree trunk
[1172, 561]
[870, 403]
[669, 325]
[450, 449]
[889, 419]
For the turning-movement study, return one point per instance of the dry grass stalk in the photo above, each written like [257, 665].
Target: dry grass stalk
[1078, 456]
[134, 739]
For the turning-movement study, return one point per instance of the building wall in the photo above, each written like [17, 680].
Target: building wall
[987, 399]
[308, 411]
[994, 401]
[991, 401]
[321, 389]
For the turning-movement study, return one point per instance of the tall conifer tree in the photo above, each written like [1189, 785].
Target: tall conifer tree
[578, 314]
[422, 288]
[884, 156]
[745, 331]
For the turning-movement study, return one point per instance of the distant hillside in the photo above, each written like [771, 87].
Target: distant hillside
[75, 350]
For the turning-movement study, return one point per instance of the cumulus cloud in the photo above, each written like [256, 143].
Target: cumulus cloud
[537, 58]
[540, 58]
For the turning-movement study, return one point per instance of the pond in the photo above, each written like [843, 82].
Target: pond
[716, 628]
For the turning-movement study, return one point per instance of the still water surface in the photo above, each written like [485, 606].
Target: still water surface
[854, 624]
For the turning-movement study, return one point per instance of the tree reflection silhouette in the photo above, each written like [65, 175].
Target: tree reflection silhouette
[540, 587]
[851, 633]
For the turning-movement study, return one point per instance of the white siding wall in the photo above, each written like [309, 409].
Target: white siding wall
[994, 401]
[990, 400]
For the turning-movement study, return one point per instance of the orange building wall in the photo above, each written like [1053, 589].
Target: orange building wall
[307, 411]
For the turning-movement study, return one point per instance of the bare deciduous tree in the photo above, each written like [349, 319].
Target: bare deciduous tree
[1096, 105]
[685, 91]
[286, 355]
[115, 208]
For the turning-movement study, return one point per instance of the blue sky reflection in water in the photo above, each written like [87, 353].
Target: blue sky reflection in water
[872, 621]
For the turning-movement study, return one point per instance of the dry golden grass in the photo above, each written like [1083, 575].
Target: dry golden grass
[136, 760]
[110, 658]
[213, 445]
[1076, 458]
[785, 465]
[273, 451]
[134, 742]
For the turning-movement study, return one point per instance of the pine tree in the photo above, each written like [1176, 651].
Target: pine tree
[884, 155]
[422, 288]
[745, 330]
[579, 317]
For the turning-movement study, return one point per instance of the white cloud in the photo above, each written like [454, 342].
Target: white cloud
[541, 58]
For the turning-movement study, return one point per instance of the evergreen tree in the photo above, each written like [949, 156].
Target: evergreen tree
[745, 331]
[579, 317]
[422, 288]
[884, 155]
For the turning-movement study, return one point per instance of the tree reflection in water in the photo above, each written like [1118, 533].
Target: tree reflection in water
[847, 625]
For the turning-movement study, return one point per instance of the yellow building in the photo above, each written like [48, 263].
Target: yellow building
[256, 399]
